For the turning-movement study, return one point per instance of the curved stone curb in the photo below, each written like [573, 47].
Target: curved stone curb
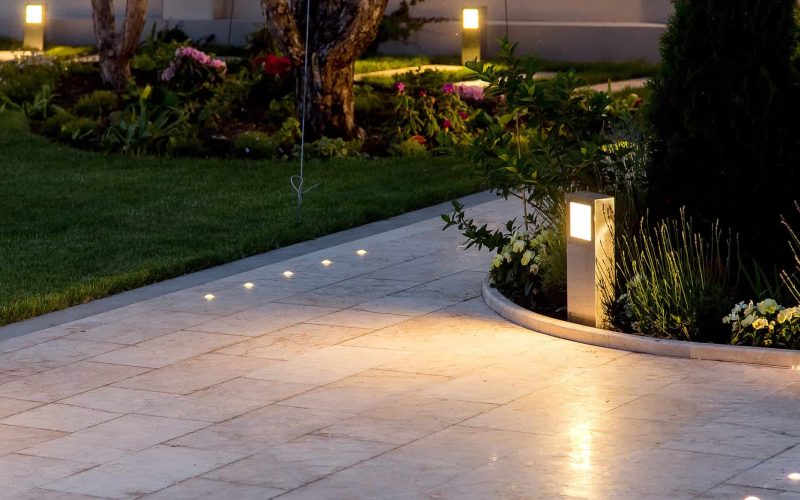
[615, 340]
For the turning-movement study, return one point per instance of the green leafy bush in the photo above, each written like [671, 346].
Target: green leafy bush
[724, 116]
[22, 79]
[412, 146]
[97, 104]
[79, 130]
[255, 144]
[326, 147]
[677, 282]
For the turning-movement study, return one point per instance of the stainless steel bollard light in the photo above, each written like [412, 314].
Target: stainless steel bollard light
[590, 256]
[473, 33]
[33, 37]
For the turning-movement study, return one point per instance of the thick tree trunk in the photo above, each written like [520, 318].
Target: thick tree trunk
[340, 32]
[117, 49]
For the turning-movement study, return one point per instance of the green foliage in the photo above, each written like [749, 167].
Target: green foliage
[677, 282]
[765, 324]
[97, 104]
[22, 79]
[226, 100]
[143, 127]
[382, 63]
[255, 144]
[68, 52]
[41, 107]
[78, 130]
[326, 147]
[411, 147]
[724, 115]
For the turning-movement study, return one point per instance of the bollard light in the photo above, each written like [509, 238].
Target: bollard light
[590, 256]
[34, 26]
[473, 34]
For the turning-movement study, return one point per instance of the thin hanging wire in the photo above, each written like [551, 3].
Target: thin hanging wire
[297, 180]
[506, 2]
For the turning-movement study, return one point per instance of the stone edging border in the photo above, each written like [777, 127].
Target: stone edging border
[623, 341]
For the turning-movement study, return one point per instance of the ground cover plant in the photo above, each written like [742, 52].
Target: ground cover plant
[81, 225]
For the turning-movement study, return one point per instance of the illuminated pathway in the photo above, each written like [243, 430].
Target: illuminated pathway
[380, 375]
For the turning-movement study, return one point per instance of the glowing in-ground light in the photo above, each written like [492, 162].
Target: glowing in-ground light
[248, 285]
[288, 274]
[361, 252]
[326, 262]
[209, 296]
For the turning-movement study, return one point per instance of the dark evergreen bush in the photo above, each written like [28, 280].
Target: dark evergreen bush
[724, 115]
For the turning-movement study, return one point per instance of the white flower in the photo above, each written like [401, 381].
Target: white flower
[518, 245]
[748, 320]
[497, 261]
[526, 257]
[767, 306]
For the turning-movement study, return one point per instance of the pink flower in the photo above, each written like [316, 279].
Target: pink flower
[463, 114]
[169, 73]
[422, 93]
[446, 124]
[448, 88]
[470, 92]
[400, 87]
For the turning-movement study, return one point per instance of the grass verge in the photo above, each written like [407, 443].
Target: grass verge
[79, 226]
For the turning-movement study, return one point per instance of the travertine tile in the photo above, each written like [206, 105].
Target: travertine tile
[260, 429]
[143, 472]
[12, 406]
[168, 349]
[406, 306]
[118, 399]
[293, 341]
[14, 438]
[66, 381]
[140, 327]
[20, 473]
[359, 319]
[59, 417]
[261, 320]
[298, 462]
[327, 365]
[227, 400]
[193, 374]
[213, 490]
[115, 438]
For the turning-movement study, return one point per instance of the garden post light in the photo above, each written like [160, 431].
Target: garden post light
[590, 256]
[473, 33]
[34, 26]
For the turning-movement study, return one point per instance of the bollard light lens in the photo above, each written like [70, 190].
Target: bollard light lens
[580, 221]
[471, 19]
[34, 14]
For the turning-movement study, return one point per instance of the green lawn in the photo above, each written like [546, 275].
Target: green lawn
[78, 226]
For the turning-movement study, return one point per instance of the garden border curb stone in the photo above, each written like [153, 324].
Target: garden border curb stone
[627, 342]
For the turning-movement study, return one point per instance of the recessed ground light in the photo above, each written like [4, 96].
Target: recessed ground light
[209, 297]
[288, 274]
[248, 285]
[326, 263]
[751, 498]
[361, 252]
[794, 476]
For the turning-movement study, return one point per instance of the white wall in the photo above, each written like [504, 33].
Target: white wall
[556, 29]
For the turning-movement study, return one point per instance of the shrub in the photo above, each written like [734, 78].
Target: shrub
[52, 126]
[255, 144]
[326, 147]
[192, 68]
[677, 283]
[413, 146]
[78, 129]
[722, 112]
[97, 104]
[21, 80]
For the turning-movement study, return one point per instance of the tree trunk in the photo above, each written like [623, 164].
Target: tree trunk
[117, 49]
[340, 32]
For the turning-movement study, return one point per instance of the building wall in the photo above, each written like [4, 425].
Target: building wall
[555, 29]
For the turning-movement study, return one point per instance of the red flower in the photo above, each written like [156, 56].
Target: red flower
[463, 114]
[273, 65]
[418, 139]
[446, 124]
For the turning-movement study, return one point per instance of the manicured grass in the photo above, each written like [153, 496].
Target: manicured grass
[589, 72]
[80, 225]
[381, 63]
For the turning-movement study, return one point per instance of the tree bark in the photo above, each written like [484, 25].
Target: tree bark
[340, 32]
[117, 49]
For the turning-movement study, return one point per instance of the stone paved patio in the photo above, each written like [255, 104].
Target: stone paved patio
[379, 376]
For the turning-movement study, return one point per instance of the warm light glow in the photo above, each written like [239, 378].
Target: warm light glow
[794, 476]
[288, 274]
[326, 263]
[209, 297]
[34, 14]
[471, 19]
[361, 252]
[580, 221]
[751, 498]
[248, 285]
